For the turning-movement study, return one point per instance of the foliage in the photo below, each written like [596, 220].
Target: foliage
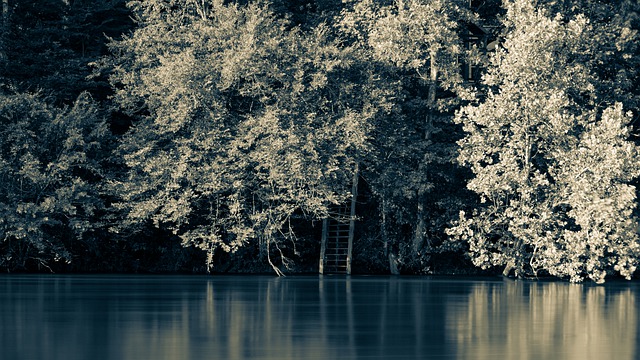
[615, 28]
[249, 123]
[414, 48]
[551, 166]
[421, 37]
[49, 171]
[49, 44]
[249, 118]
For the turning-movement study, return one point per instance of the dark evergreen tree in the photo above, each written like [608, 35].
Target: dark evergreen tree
[49, 45]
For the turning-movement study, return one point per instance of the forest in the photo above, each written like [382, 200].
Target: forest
[214, 136]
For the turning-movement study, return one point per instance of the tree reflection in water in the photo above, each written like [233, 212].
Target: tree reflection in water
[539, 320]
[310, 317]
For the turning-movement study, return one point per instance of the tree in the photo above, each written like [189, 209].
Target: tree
[4, 26]
[551, 157]
[50, 166]
[48, 45]
[415, 48]
[616, 28]
[244, 123]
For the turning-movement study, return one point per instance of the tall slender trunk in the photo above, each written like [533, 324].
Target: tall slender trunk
[383, 226]
[389, 249]
[433, 79]
[4, 28]
[418, 238]
[352, 214]
[516, 261]
[5, 13]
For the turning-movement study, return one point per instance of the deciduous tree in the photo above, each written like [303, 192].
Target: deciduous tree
[50, 166]
[551, 156]
[244, 123]
[415, 48]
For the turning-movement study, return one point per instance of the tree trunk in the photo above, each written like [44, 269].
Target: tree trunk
[4, 28]
[5, 13]
[393, 264]
[418, 237]
[383, 227]
[388, 248]
[507, 269]
[352, 214]
[517, 252]
[433, 79]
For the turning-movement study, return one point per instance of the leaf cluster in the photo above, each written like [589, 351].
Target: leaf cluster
[50, 167]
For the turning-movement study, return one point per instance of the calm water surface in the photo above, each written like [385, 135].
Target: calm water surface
[264, 317]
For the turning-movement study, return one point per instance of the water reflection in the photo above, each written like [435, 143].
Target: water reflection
[262, 317]
[523, 320]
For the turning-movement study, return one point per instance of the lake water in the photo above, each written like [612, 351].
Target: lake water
[311, 317]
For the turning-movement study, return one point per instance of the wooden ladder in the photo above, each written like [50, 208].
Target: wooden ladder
[337, 236]
[337, 243]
